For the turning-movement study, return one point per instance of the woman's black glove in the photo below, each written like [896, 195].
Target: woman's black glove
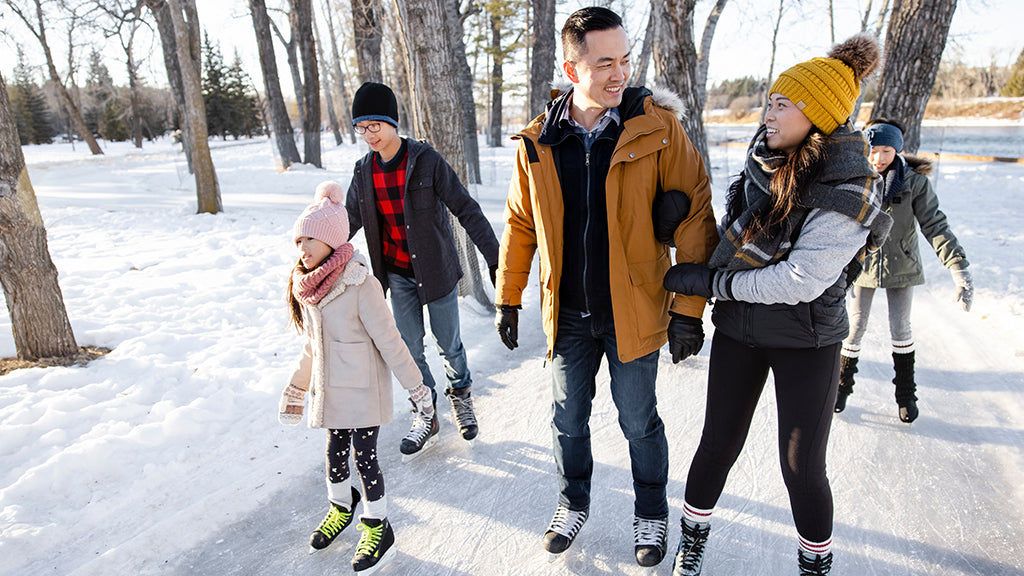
[690, 280]
[685, 336]
[668, 211]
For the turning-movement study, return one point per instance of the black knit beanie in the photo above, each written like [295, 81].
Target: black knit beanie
[376, 102]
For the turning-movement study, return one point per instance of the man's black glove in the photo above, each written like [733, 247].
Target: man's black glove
[689, 280]
[685, 336]
[507, 321]
[494, 275]
[670, 208]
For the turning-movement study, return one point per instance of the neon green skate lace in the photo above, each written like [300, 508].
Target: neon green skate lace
[334, 522]
[369, 539]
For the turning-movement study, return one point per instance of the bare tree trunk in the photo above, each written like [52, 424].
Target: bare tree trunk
[542, 61]
[186, 33]
[39, 319]
[283, 135]
[771, 66]
[433, 73]
[497, 89]
[639, 77]
[339, 76]
[325, 83]
[303, 10]
[162, 13]
[455, 20]
[39, 31]
[366, 23]
[913, 44]
[677, 65]
[291, 48]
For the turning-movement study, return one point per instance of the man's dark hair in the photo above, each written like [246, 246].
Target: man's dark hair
[590, 19]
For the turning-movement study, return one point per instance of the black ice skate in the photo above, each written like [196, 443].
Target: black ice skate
[650, 539]
[338, 518]
[422, 433]
[462, 410]
[376, 546]
[564, 527]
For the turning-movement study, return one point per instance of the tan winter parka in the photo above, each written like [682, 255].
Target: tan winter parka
[652, 153]
[352, 348]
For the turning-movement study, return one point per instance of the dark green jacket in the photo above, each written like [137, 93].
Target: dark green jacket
[898, 263]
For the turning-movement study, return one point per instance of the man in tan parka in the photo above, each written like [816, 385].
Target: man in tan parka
[586, 176]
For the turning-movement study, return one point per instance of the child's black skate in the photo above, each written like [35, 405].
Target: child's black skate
[337, 519]
[462, 410]
[376, 546]
[422, 433]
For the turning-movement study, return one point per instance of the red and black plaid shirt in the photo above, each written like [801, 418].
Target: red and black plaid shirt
[389, 184]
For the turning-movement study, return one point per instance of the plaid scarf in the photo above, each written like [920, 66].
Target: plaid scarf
[844, 185]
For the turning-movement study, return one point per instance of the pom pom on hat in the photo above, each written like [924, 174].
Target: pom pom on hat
[326, 218]
[825, 89]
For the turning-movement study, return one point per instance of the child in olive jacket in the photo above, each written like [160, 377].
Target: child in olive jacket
[908, 197]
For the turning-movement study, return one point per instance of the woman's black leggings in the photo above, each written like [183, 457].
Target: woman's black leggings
[805, 392]
[363, 442]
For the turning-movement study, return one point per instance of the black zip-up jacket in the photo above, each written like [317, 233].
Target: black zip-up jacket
[430, 185]
[581, 175]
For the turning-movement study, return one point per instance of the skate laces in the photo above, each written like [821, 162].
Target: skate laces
[815, 564]
[567, 522]
[334, 522]
[420, 428]
[649, 532]
[463, 409]
[691, 546]
[369, 539]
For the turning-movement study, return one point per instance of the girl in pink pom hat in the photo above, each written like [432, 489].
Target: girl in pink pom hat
[352, 348]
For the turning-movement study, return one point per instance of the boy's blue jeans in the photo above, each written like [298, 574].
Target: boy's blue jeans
[444, 325]
[579, 345]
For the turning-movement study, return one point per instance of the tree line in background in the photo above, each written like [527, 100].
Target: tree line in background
[452, 63]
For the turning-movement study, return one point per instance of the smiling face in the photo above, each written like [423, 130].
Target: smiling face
[384, 141]
[601, 72]
[312, 251]
[787, 125]
[881, 157]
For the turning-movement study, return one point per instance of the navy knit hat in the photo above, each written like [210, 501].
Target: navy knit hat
[884, 135]
[375, 102]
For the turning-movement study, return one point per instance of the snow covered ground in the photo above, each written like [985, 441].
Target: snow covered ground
[166, 457]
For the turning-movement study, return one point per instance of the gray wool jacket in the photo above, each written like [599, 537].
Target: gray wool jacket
[430, 186]
[898, 263]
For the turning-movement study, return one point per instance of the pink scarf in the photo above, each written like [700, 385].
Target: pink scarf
[311, 287]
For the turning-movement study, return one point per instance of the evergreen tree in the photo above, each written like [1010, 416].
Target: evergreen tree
[99, 88]
[28, 103]
[215, 95]
[1015, 86]
[245, 110]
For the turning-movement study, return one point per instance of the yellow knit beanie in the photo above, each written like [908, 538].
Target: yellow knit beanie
[825, 89]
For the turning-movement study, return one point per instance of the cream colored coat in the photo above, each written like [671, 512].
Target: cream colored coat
[353, 346]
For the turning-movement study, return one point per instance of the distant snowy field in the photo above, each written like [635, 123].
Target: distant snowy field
[166, 457]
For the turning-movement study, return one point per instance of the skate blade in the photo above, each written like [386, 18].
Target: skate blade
[384, 561]
[426, 446]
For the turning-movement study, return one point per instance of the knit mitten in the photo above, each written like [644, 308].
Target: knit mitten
[424, 401]
[293, 401]
[964, 288]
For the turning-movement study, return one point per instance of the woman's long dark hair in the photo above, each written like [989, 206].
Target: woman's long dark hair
[294, 306]
[786, 185]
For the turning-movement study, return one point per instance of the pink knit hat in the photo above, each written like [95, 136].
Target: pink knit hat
[326, 218]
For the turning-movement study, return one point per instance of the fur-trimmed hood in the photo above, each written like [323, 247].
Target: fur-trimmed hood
[356, 271]
[922, 166]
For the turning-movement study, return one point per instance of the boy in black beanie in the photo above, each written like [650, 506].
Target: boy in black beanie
[397, 195]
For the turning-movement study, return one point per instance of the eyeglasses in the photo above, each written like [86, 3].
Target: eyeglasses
[374, 128]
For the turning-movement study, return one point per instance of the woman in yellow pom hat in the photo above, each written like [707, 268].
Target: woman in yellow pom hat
[801, 210]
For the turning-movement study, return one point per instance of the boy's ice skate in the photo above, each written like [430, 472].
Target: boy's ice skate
[376, 546]
[462, 411]
[338, 518]
[562, 530]
[650, 539]
[422, 434]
